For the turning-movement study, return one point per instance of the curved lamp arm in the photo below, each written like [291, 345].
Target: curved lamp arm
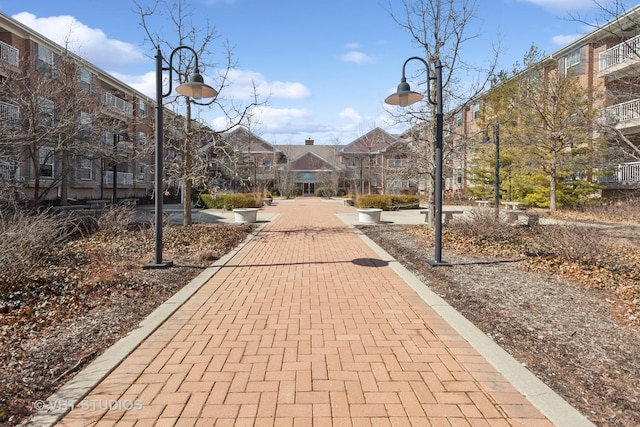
[404, 96]
[195, 87]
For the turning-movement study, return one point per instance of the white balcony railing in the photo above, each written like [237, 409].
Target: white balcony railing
[9, 54]
[9, 172]
[619, 53]
[625, 112]
[625, 173]
[124, 178]
[120, 104]
[9, 112]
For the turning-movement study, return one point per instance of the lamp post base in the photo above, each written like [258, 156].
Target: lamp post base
[158, 265]
[434, 263]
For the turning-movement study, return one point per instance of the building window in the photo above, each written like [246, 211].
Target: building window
[572, 60]
[45, 62]
[266, 163]
[352, 162]
[85, 170]
[460, 118]
[142, 109]
[396, 163]
[457, 146]
[475, 110]
[46, 112]
[141, 171]
[143, 139]
[400, 183]
[459, 176]
[86, 124]
[86, 80]
[373, 160]
[45, 161]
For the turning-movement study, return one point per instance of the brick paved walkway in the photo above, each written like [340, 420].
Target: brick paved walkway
[304, 328]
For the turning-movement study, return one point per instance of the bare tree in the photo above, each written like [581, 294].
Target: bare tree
[55, 122]
[179, 13]
[441, 28]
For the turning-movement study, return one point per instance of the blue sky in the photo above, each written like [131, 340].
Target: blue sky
[326, 65]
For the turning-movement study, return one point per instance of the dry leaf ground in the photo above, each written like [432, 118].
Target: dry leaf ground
[572, 322]
[90, 294]
[574, 325]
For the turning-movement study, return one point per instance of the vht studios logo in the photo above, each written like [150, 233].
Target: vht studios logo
[88, 405]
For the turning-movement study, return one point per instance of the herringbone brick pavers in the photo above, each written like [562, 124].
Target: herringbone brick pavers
[305, 326]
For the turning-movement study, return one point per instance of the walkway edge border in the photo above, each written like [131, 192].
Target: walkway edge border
[548, 402]
[72, 392]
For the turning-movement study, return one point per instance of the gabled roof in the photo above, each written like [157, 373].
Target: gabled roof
[246, 142]
[310, 161]
[374, 141]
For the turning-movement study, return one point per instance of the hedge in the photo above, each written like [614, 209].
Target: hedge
[228, 201]
[386, 203]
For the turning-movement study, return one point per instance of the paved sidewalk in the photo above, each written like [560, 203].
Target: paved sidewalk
[308, 325]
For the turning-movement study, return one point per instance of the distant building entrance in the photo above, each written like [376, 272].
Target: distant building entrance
[308, 188]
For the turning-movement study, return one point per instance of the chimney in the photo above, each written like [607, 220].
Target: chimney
[308, 141]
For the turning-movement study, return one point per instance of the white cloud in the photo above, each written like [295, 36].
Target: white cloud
[241, 85]
[562, 4]
[352, 46]
[89, 43]
[268, 119]
[350, 114]
[356, 57]
[145, 83]
[565, 39]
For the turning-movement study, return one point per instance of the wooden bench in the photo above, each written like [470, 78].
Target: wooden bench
[129, 202]
[447, 215]
[533, 217]
[482, 203]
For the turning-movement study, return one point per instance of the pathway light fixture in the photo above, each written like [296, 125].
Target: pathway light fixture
[194, 88]
[404, 97]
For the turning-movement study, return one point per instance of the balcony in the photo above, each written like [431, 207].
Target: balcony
[9, 113]
[9, 172]
[119, 104]
[625, 116]
[622, 175]
[9, 54]
[124, 178]
[619, 60]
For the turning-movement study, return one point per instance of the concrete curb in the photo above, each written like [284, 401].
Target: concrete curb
[548, 402]
[72, 393]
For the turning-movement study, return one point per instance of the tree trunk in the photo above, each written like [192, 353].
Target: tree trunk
[552, 183]
[64, 178]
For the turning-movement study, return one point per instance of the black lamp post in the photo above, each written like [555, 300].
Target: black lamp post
[404, 97]
[196, 89]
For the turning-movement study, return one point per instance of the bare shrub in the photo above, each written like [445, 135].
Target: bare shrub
[482, 224]
[25, 242]
[581, 244]
[117, 219]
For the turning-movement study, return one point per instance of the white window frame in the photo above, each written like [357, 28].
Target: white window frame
[85, 169]
[571, 60]
[46, 158]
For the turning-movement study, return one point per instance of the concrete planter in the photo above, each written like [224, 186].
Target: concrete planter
[369, 215]
[245, 214]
